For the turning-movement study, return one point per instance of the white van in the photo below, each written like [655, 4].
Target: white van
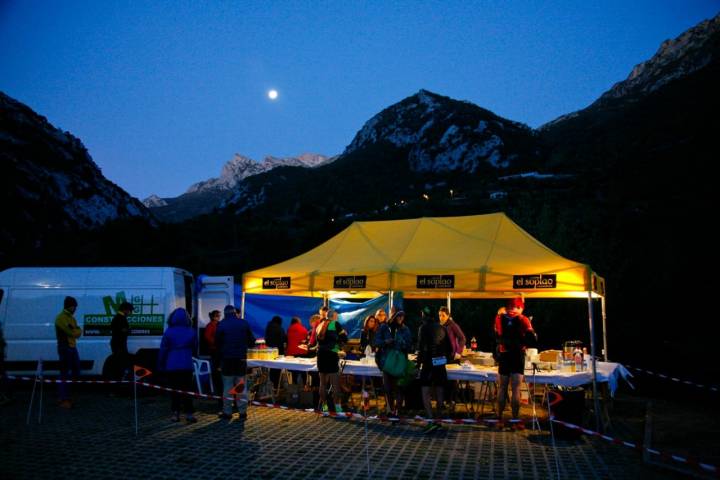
[31, 298]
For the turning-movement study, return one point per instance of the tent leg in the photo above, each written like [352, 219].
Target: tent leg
[604, 320]
[449, 302]
[242, 305]
[596, 400]
[391, 298]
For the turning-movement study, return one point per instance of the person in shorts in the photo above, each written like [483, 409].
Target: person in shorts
[330, 336]
[513, 334]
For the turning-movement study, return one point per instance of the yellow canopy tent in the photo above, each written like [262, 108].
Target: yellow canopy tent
[477, 256]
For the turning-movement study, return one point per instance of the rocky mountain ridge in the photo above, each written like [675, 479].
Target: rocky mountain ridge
[241, 167]
[676, 58]
[50, 183]
[205, 196]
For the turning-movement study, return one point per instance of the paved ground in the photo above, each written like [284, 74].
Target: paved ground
[97, 440]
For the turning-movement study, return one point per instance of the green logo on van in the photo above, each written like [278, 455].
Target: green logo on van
[146, 319]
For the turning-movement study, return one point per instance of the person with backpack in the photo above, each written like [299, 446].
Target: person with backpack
[394, 335]
[513, 334]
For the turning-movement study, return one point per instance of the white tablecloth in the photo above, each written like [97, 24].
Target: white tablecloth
[606, 372]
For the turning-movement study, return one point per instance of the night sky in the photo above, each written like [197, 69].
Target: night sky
[164, 93]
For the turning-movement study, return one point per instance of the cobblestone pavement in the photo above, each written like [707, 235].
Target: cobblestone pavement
[97, 440]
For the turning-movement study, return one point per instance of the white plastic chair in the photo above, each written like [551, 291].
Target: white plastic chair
[202, 368]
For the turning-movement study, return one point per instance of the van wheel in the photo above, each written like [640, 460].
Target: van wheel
[108, 366]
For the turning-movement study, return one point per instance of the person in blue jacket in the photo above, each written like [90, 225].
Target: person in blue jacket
[232, 339]
[175, 359]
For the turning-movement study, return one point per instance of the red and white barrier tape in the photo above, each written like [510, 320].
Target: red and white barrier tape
[712, 388]
[55, 380]
[385, 418]
[689, 461]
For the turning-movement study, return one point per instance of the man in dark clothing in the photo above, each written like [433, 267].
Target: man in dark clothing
[118, 343]
[232, 338]
[433, 352]
[275, 337]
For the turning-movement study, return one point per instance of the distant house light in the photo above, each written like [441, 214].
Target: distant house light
[425, 196]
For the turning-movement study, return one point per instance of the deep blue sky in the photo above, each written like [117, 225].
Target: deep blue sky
[163, 93]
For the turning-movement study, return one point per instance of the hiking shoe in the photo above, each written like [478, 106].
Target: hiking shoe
[190, 419]
[325, 408]
[338, 409]
[431, 427]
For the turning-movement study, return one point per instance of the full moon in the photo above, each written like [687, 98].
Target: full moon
[272, 94]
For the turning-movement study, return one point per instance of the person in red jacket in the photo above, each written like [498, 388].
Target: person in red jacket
[296, 335]
[209, 335]
[513, 333]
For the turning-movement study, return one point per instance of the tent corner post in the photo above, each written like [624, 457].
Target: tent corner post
[242, 304]
[449, 302]
[604, 325]
[391, 300]
[596, 400]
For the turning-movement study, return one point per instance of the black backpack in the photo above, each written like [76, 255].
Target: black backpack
[512, 337]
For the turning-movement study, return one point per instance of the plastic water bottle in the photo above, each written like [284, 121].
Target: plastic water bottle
[369, 355]
[578, 357]
[473, 344]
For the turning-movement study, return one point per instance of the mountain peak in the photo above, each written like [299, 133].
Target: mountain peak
[439, 133]
[153, 201]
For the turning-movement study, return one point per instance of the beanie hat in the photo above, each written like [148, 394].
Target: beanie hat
[70, 302]
[515, 302]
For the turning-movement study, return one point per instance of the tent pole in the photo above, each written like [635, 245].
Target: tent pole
[604, 319]
[242, 305]
[391, 296]
[449, 306]
[596, 401]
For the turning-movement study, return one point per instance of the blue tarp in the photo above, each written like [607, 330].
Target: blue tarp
[259, 309]
[352, 314]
